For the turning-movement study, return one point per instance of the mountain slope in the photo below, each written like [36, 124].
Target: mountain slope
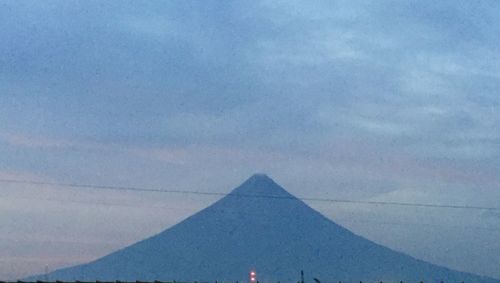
[259, 226]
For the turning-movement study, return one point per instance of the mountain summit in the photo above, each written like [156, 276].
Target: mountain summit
[261, 185]
[259, 226]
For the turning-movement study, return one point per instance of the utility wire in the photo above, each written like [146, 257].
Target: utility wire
[494, 229]
[236, 213]
[138, 189]
[342, 221]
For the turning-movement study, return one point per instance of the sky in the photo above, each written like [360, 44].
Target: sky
[360, 100]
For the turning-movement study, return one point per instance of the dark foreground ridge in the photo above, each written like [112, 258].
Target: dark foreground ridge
[275, 236]
[156, 281]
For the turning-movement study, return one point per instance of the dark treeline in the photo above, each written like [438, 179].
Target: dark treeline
[156, 281]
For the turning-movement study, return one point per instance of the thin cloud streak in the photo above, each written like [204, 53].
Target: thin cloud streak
[380, 101]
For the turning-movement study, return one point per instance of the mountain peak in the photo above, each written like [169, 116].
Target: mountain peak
[259, 226]
[260, 178]
[260, 184]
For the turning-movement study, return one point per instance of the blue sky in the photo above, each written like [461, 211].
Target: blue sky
[369, 100]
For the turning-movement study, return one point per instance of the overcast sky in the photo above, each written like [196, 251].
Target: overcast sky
[361, 100]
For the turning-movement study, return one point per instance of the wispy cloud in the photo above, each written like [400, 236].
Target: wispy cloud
[388, 99]
[20, 140]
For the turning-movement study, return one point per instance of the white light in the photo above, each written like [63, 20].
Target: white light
[252, 273]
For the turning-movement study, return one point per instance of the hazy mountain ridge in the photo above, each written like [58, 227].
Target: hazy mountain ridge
[259, 226]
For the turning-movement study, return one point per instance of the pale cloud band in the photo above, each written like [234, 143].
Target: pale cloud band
[384, 100]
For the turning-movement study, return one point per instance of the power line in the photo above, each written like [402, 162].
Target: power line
[225, 211]
[138, 189]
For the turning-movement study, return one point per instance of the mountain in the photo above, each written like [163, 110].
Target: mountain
[259, 226]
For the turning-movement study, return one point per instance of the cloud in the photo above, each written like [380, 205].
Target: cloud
[19, 140]
[390, 100]
[491, 214]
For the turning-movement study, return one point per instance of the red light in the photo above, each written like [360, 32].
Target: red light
[253, 274]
